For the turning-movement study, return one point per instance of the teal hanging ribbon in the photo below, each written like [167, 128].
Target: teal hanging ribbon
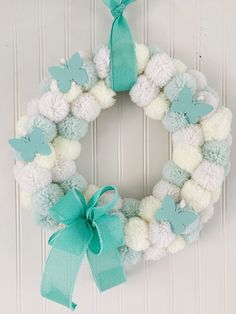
[123, 64]
[89, 230]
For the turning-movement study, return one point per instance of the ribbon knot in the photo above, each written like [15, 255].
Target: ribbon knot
[89, 229]
[118, 11]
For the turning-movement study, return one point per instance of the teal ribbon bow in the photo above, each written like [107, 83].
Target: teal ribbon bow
[89, 229]
[123, 64]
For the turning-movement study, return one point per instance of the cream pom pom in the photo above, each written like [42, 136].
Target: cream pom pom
[136, 234]
[91, 189]
[86, 107]
[142, 55]
[180, 67]
[215, 195]
[54, 106]
[154, 253]
[206, 214]
[210, 176]
[218, 126]
[160, 69]
[160, 233]
[21, 126]
[200, 79]
[26, 199]
[195, 196]
[102, 61]
[143, 92]
[33, 107]
[163, 188]
[103, 94]
[158, 107]
[66, 149]
[148, 207]
[46, 161]
[191, 135]
[187, 157]
[63, 170]
[177, 245]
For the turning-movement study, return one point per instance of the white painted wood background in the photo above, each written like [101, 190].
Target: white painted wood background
[37, 33]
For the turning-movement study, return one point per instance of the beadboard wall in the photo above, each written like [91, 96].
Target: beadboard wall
[122, 147]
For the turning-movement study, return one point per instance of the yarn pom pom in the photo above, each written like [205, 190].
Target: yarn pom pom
[174, 174]
[191, 135]
[77, 181]
[21, 126]
[174, 121]
[103, 95]
[45, 221]
[180, 67]
[48, 127]
[91, 73]
[157, 108]
[26, 199]
[130, 207]
[148, 207]
[72, 128]
[217, 152]
[160, 69]
[160, 233]
[206, 214]
[54, 106]
[136, 234]
[154, 253]
[193, 236]
[91, 189]
[143, 92]
[129, 256]
[177, 245]
[187, 157]
[210, 99]
[74, 92]
[86, 107]
[66, 149]
[102, 61]
[164, 188]
[200, 79]
[33, 107]
[46, 161]
[63, 170]
[142, 56]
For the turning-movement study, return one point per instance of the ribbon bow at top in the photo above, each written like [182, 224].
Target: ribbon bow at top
[123, 64]
[89, 229]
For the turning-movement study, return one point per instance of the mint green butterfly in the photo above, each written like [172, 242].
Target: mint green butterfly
[189, 105]
[71, 71]
[30, 145]
[179, 218]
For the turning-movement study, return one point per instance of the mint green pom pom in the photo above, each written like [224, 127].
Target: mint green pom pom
[130, 207]
[174, 87]
[129, 256]
[174, 174]
[174, 121]
[77, 181]
[45, 198]
[72, 128]
[123, 219]
[91, 72]
[217, 152]
[48, 127]
[45, 221]
[194, 235]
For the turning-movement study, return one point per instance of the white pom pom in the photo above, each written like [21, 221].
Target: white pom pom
[215, 195]
[210, 176]
[46, 161]
[191, 135]
[66, 149]
[136, 234]
[210, 99]
[54, 106]
[102, 61]
[163, 188]
[195, 196]
[160, 233]
[91, 189]
[200, 79]
[154, 253]
[218, 126]
[180, 67]
[21, 126]
[148, 207]
[160, 69]
[86, 107]
[33, 107]
[74, 92]
[158, 107]
[177, 245]
[143, 92]
[26, 199]
[206, 214]
[187, 157]
[142, 55]
[63, 170]
[103, 95]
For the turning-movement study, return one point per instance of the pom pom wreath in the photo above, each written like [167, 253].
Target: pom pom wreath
[218, 126]
[180, 67]
[129, 256]
[86, 107]
[102, 61]
[26, 199]
[46, 161]
[21, 126]
[48, 128]
[154, 253]
[217, 152]
[177, 245]
[45, 198]
[142, 56]
[63, 170]
[45, 221]
[200, 79]
[210, 99]
[66, 149]
[187, 157]
[33, 178]
[173, 121]
[143, 92]
[157, 108]
[191, 135]
[33, 107]
[163, 188]
[195, 196]
[148, 207]
[160, 234]
[103, 95]
[136, 234]
[209, 175]
[160, 69]
[77, 181]
[174, 174]
[174, 87]
[54, 106]
[74, 92]
[72, 128]
[130, 207]
[91, 189]
[91, 72]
